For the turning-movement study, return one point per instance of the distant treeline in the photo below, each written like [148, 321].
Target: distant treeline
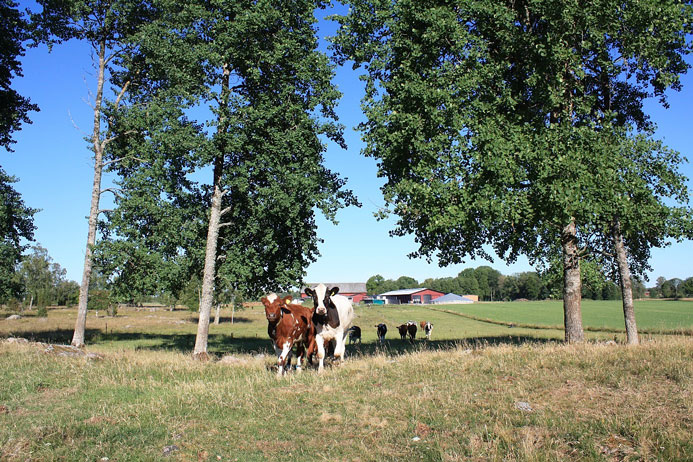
[491, 285]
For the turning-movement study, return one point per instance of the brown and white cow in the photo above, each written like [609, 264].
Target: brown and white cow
[332, 317]
[427, 327]
[295, 327]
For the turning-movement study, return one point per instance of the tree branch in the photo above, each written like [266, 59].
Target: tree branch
[115, 191]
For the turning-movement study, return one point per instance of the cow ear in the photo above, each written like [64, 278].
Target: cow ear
[264, 301]
[310, 292]
[287, 299]
[334, 291]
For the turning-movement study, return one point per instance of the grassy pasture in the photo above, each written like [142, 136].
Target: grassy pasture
[478, 391]
[651, 315]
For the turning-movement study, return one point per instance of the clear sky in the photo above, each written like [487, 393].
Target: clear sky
[54, 166]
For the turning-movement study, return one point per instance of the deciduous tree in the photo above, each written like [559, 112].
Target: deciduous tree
[105, 26]
[250, 79]
[16, 231]
[495, 122]
[13, 106]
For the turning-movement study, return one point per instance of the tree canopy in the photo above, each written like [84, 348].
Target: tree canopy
[253, 95]
[499, 123]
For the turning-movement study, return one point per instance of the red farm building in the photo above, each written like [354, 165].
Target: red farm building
[404, 296]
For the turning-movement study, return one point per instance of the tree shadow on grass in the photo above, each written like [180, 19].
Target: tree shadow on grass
[57, 336]
[395, 347]
[222, 344]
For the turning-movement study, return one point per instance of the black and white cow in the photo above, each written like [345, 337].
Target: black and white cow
[427, 327]
[332, 317]
[382, 330]
[354, 334]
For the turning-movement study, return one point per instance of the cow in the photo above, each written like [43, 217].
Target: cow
[273, 314]
[332, 317]
[411, 330]
[382, 330]
[354, 334]
[402, 331]
[295, 326]
[427, 327]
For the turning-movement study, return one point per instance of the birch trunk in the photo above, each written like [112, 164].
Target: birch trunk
[80, 324]
[572, 286]
[207, 295]
[209, 273]
[626, 286]
[216, 314]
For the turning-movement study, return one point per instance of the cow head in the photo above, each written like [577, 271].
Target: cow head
[272, 307]
[321, 297]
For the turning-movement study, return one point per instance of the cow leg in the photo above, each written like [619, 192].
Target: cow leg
[320, 342]
[340, 348]
[284, 357]
[300, 354]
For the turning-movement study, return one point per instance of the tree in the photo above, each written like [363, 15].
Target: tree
[13, 107]
[406, 282]
[263, 90]
[495, 122]
[43, 281]
[105, 26]
[16, 228]
[686, 287]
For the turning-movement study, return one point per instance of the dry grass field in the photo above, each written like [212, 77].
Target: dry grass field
[477, 391]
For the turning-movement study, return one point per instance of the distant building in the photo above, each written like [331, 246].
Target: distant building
[449, 299]
[354, 291]
[404, 296]
[474, 298]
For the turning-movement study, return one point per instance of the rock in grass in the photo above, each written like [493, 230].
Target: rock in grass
[168, 450]
[523, 406]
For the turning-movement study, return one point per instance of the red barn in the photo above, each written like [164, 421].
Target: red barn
[403, 296]
[354, 291]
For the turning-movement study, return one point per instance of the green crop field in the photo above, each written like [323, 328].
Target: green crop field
[651, 315]
[478, 390]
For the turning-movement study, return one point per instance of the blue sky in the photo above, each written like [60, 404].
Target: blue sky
[54, 166]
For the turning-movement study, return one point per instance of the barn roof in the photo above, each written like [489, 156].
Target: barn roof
[452, 298]
[406, 291]
[344, 287]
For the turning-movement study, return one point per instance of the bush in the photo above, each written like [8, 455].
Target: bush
[42, 311]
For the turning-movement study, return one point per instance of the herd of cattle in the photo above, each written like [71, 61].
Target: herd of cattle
[325, 326]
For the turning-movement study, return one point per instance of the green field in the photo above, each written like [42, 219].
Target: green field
[479, 391]
[651, 315]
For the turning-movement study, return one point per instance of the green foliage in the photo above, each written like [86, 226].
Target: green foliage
[100, 300]
[242, 90]
[43, 281]
[502, 122]
[13, 106]
[16, 227]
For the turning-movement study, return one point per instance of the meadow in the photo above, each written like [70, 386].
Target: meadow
[477, 391]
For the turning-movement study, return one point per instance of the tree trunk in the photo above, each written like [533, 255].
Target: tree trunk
[207, 297]
[216, 314]
[209, 273]
[80, 325]
[626, 286]
[572, 286]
